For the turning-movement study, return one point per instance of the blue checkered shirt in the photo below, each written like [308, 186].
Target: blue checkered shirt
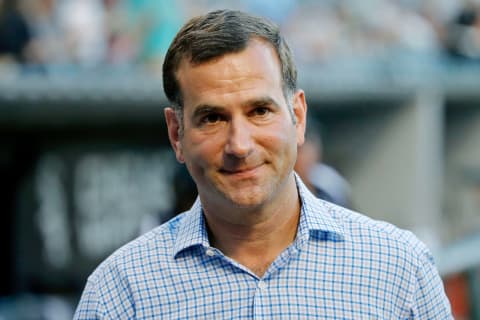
[342, 265]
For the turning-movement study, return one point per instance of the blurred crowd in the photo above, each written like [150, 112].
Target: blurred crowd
[324, 30]
[86, 33]
[90, 33]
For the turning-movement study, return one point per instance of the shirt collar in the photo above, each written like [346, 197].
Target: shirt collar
[192, 230]
[317, 216]
[315, 219]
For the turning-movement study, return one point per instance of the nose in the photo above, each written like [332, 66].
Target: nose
[239, 141]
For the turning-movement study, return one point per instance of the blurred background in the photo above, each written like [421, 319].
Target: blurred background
[393, 88]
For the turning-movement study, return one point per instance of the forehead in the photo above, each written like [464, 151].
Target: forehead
[256, 65]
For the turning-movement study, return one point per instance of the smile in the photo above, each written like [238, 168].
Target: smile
[241, 172]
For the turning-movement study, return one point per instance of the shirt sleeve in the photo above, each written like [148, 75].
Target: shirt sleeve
[90, 306]
[106, 296]
[430, 300]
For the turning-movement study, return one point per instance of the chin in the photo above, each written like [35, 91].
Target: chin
[247, 201]
[246, 205]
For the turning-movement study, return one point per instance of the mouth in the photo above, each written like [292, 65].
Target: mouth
[241, 172]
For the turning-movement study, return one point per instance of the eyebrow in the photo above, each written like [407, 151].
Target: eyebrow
[203, 109]
[262, 101]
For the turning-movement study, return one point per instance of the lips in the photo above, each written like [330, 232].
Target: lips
[245, 171]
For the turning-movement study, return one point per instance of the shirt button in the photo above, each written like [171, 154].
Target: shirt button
[210, 252]
[262, 285]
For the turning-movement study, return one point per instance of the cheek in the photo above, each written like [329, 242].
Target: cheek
[282, 142]
[201, 150]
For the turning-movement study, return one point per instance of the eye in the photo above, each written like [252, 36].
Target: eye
[261, 111]
[211, 118]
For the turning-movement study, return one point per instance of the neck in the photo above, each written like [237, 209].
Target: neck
[256, 242]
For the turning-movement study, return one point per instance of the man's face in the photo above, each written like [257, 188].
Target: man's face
[239, 140]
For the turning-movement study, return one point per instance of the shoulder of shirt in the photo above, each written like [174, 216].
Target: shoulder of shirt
[358, 227]
[156, 243]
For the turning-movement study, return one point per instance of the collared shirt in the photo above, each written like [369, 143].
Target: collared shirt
[341, 265]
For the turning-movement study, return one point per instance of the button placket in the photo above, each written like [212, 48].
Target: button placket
[262, 285]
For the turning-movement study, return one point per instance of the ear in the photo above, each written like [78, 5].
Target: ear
[300, 113]
[173, 127]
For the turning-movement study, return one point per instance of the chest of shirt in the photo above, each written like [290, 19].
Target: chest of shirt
[320, 281]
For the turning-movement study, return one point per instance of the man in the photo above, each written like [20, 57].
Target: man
[256, 243]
